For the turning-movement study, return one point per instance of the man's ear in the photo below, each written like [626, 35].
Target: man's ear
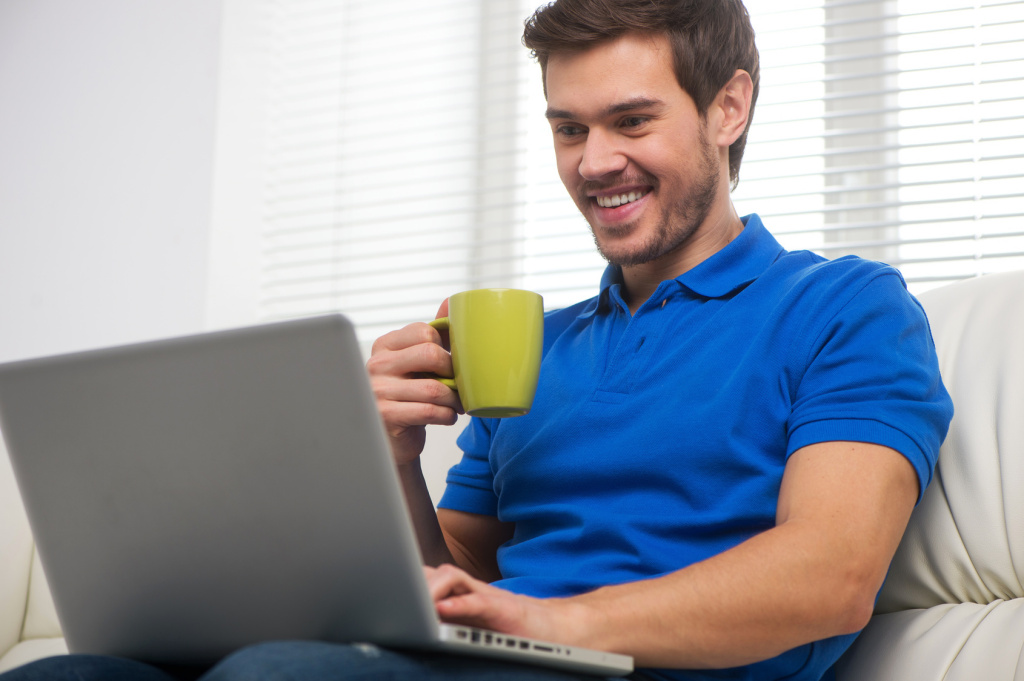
[732, 108]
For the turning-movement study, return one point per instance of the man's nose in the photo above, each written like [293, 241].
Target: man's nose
[601, 156]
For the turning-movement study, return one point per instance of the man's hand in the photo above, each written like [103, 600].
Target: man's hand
[406, 400]
[461, 599]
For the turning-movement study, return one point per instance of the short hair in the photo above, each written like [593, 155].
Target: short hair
[710, 40]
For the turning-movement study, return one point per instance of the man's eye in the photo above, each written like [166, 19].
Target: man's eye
[569, 130]
[633, 121]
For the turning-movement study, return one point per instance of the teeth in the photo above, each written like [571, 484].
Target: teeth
[619, 199]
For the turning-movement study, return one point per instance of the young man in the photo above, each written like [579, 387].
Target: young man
[726, 442]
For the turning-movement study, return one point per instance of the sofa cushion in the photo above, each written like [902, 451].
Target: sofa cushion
[951, 642]
[32, 649]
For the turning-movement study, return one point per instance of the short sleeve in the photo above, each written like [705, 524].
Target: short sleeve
[873, 376]
[470, 483]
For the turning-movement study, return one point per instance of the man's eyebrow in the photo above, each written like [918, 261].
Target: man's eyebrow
[621, 107]
[633, 104]
[557, 113]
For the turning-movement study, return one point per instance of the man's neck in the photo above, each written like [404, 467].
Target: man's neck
[639, 282]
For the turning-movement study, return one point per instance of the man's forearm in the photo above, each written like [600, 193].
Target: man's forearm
[755, 601]
[467, 540]
[842, 511]
[751, 603]
[433, 547]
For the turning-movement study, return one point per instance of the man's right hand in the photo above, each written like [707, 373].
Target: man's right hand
[406, 399]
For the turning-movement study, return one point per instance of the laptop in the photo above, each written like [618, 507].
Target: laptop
[195, 495]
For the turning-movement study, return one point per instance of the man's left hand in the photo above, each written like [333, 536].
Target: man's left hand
[461, 599]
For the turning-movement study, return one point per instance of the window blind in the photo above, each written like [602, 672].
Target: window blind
[408, 156]
[892, 130]
[391, 156]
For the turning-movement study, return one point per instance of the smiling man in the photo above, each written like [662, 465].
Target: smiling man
[727, 440]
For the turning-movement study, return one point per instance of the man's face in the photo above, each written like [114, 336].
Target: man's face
[632, 149]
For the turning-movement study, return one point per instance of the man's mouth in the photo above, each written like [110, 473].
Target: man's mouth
[616, 200]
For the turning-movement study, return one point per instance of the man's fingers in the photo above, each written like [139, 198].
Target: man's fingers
[408, 400]
[404, 395]
[427, 390]
[401, 415]
[424, 357]
[461, 599]
[489, 609]
[407, 336]
[472, 609]
[447, 580]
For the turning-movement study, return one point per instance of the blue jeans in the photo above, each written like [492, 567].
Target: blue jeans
[294, 661]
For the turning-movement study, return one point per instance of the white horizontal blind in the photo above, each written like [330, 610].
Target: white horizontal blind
[893, 129]
[391, 156]
[409, 157]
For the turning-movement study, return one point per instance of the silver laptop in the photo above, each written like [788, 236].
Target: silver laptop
[195, 495]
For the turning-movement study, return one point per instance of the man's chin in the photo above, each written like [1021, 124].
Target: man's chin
[626, 255]
[616, 241]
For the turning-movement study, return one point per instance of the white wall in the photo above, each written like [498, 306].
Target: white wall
[107, 117]
[131, 175]
[233, 274]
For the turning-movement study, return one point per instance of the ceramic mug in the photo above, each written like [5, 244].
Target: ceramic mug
[496, 336]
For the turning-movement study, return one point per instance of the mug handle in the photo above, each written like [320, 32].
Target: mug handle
[443, 324]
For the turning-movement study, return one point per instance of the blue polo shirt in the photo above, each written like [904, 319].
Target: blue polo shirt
[659, 439]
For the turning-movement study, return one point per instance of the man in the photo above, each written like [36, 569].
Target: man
[726, 442]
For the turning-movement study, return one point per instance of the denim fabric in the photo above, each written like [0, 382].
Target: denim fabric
[295, 661]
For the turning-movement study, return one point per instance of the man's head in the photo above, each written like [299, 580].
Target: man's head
[710, 40]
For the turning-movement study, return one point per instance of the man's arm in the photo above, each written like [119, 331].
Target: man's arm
[842, 509]
[408, 402]
[468, 540]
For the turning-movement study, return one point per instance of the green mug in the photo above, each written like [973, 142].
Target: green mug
[496, 336]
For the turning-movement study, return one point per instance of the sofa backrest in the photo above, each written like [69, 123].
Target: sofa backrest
[965, 541]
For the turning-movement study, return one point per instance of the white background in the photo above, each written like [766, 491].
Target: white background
[129, 194]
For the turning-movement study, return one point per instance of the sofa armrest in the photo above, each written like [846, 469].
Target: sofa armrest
[16, 549]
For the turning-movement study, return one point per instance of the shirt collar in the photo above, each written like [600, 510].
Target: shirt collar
[739, 263]
[612, 276]
[742, 261]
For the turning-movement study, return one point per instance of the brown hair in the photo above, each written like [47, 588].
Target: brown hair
[710, 39]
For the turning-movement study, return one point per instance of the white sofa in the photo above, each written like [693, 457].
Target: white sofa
[28, 622]
[953, 605]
